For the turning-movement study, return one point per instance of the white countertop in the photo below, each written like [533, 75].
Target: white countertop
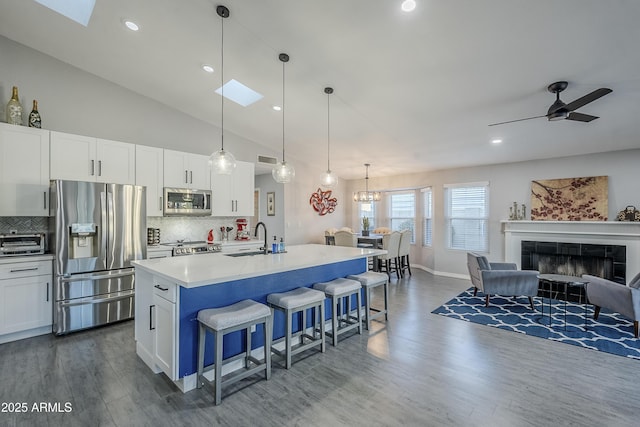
[206, 269]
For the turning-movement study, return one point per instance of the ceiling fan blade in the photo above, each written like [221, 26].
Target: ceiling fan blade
[579, 117]
[590, 97]
[518, 120]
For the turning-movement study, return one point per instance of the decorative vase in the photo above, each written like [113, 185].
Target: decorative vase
[365, 233]
[34, 116]
[14, 109]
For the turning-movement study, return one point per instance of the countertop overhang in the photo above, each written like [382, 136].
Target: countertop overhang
[207, 269]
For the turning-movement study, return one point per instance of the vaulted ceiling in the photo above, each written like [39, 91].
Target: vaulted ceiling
[413, 91]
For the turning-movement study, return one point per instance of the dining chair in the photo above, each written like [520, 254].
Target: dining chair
[345, 238]
[403, 251]
[391, 244]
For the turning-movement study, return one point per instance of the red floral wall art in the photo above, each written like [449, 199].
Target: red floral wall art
[570, 199]
[322, 202]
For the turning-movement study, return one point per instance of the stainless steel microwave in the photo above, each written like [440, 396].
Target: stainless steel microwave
[186, 202]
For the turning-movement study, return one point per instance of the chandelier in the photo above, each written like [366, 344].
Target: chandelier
[366, 195]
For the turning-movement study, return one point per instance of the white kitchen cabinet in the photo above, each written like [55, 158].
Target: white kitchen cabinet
[24, 171]
[85, 158]
[26, 294]
[149, 172]
[232, 195]
[165, 295]
[186, 170]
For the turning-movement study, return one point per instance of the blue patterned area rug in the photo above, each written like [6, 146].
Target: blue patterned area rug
[611, 333]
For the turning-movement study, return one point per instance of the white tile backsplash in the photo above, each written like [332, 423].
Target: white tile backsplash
[192, 228]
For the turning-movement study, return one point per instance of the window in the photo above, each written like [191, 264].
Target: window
[402, 212]
[427, 199]
[467, 216]
[367, 209]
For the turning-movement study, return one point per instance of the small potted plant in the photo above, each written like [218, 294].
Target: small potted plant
[365, 226]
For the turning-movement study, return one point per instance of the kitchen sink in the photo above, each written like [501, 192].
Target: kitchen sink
[239, 254]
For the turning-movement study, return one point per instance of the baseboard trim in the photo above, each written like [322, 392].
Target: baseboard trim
[441, 273]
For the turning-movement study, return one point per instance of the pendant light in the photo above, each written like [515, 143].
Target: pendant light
[328, 179]
[367, 196]
[283, 172]
[222, 162]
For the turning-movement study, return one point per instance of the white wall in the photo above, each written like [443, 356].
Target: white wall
[508, 183]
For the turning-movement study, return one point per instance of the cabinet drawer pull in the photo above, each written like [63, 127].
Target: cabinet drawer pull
[191, 177]
[186, 176]
[47, 291]
[92, 167]
[44, 193]
[18, 270]
[161, 288]
[151, 327]
[99, 167]
[160, 201]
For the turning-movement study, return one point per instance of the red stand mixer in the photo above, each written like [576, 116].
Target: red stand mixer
[243, 229]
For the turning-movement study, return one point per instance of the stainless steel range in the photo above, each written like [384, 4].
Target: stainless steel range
[192, 248]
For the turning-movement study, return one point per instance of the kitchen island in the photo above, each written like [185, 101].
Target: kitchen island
[171, 291]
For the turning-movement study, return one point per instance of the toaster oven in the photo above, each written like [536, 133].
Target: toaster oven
[22, 244]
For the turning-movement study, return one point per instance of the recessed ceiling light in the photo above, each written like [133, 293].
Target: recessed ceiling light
[207, 68]
[239, 93]
[496, 141]
[277, 107]
[408, 5]
[131, 25]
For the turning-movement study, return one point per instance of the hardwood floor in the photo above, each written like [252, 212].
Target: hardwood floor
[419, 369]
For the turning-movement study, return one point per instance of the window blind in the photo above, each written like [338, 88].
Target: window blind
[467, 216]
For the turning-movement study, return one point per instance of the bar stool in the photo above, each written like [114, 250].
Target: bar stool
[224, 320]
[370, 280]
[299, 300]
[341, 319]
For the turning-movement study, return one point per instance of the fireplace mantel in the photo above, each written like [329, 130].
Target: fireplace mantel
[592, 232]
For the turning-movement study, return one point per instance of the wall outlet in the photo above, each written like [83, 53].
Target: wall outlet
[253, 328]
[13, 231]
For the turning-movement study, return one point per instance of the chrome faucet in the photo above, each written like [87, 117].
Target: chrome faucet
[264, 248]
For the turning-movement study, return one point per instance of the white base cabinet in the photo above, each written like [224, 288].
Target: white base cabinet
[26, 295]
[24, 171]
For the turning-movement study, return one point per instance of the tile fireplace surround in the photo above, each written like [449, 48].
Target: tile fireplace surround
[588, 232]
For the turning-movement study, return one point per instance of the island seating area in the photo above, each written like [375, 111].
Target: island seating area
[215, 280]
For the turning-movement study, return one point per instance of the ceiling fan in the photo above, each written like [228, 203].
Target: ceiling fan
[561, 111]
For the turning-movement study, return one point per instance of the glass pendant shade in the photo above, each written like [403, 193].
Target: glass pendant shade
[283, 172]
[328, 179]
[222, 162]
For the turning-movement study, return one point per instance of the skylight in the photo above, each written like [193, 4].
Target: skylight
[239, 93]
[77, 10]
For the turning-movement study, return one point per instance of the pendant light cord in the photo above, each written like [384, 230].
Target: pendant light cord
[328, 133]
[222, 83]
[283, 110]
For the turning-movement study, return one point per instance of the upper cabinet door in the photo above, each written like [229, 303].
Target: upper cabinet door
[149, 170]
[243, 188]
[24, 171]
[186, 170]
[199, 176]
[84, 158]
[116, 162]
[73, 157]
[232, 195]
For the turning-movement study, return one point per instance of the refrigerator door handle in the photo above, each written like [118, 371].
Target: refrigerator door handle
[96, 277]
[84, 301]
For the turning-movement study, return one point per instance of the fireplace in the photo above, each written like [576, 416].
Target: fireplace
[575, 259]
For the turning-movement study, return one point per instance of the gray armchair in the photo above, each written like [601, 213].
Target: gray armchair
[616, 297]
[499, 278]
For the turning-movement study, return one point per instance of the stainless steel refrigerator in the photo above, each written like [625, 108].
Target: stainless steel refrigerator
[97, 230]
